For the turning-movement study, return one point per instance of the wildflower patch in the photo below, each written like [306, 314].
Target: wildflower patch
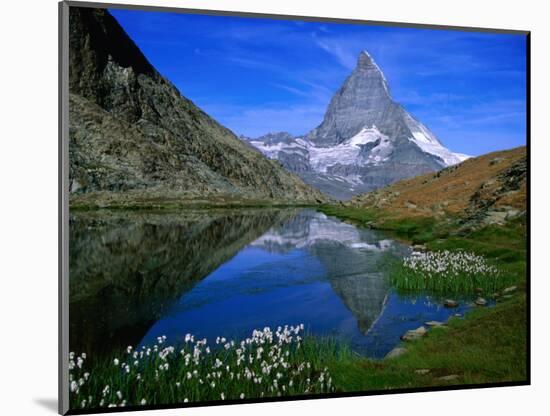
[269, 363]
[448, 271]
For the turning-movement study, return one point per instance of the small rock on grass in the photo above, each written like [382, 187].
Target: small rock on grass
[480, 302]
[413, 334]
[450, 377]
[450, 303]
[509, 290]
[422, 371]
[396, 352]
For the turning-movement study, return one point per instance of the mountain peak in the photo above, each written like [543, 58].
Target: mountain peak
[365, 61]
[365, 141]
[363, 100]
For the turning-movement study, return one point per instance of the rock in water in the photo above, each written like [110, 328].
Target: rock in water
[131, 131]
[449, 303]
[480, 302]
[434, 323]
[413, 334]
[365, 141]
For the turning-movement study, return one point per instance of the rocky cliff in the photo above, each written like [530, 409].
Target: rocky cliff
[133, 136]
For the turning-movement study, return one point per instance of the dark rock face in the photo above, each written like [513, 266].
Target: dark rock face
[363, 100]
[365, 141]
[131, 130]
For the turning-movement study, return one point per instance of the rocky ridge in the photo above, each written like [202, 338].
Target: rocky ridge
[133, 136]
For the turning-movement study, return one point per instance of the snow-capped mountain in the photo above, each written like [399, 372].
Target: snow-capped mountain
[366, 140]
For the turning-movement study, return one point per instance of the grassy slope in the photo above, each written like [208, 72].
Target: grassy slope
[489, 344]
[450, 191]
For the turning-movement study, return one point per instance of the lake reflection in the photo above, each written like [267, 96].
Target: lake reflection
[128, 268]
[136, 276]
[308, 269]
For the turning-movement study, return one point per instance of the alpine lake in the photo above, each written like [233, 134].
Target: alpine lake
[139, 275]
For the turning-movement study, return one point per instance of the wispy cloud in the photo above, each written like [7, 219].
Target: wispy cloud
[342, 52]
[260, 75]
[254, 122]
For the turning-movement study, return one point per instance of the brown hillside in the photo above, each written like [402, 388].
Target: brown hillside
[491, 187]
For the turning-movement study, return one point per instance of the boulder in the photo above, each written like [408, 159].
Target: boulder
[396, 352]
[422, 371]
[414, 334]
[509, 290]
[450, 303]
[450, 377]
[495, 217]
[480, 302]
[434, 323]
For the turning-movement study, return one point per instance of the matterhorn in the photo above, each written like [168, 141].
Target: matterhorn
[365, 141]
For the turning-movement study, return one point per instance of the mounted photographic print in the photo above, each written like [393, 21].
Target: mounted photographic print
[261, 208]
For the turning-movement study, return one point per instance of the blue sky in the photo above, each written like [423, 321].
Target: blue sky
[260, 75]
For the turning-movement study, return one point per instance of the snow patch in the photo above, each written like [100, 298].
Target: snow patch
[428, 143]
[348, 152]
[272, 150]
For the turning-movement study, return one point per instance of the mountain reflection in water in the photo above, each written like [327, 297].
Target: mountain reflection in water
[137, 275]
[307, 268]
[128, 268]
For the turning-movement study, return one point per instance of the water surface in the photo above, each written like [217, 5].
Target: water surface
[137, 276]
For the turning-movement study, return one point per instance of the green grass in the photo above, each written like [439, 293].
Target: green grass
[267, 364]
[417, 230]
[487, 346]
[133, 202]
